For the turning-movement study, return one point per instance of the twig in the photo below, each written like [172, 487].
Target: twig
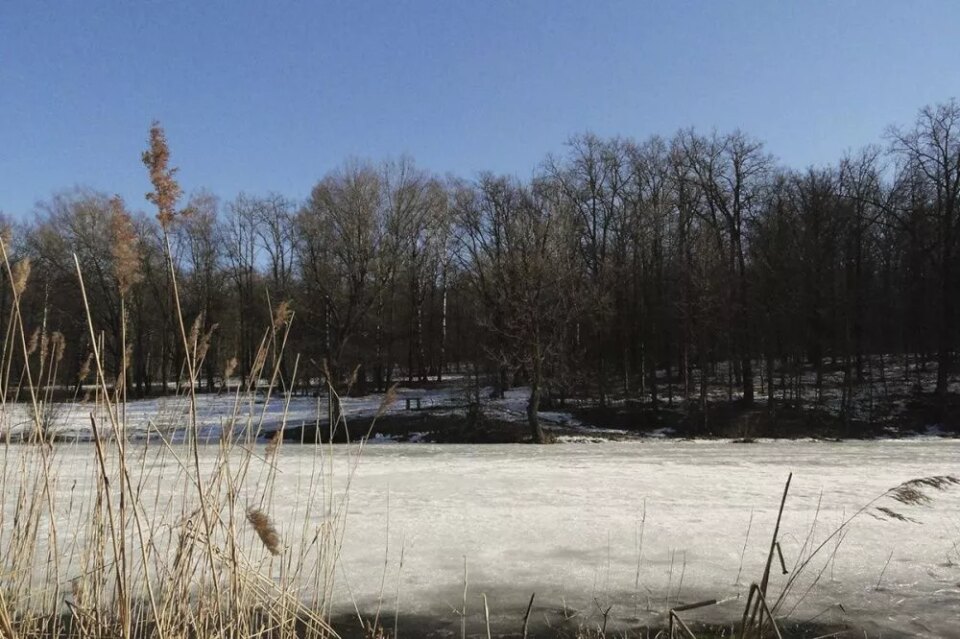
[743, 552]
[486, 614]
[773, 543]
[880, 578]
[463, 611]
[526, 616]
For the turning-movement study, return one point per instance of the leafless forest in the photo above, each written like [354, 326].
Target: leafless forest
[675, 272]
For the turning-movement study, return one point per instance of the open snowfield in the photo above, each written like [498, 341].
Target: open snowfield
[566, 521]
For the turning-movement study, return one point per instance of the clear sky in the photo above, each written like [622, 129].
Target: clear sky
[260, 96]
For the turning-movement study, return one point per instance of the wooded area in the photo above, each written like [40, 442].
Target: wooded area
[653, 269]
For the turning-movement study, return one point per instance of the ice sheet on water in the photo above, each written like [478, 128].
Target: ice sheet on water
[566, 522]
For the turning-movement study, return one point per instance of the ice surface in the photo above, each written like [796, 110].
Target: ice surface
[565, 521]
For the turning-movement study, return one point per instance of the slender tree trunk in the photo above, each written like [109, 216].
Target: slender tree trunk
[746, 365]
[771, 398]
[533, 403]
[944, 341]
[443, 331]
[378, 380]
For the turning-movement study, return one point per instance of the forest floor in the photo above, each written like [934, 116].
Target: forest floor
[897, 403]
[630, 419]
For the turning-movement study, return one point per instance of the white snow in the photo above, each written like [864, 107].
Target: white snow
[565, 522]
[169, 416]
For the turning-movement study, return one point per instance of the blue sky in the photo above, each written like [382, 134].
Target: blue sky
[260, 96]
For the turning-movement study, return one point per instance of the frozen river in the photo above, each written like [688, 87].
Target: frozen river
[565, 522]
[638, 526]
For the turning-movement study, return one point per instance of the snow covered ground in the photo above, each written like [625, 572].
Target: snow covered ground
[170, 415]
[567, 521]
[880, 399]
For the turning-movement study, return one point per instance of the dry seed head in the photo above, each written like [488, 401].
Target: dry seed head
[124, 247]
[34, 341]
[205, 342]
[166, 191]
[230, 368]
[76, 589]
[265, 529]
[274, 443]
[281, 316]
[353, 378]
[892, 514]
[21, 273]
[59, 345]
[912, 492]
[908, 495]
[195, 330]
[85, 369]
[258, 364]
[938, 482]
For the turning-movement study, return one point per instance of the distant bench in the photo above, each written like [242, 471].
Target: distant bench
[412, 402]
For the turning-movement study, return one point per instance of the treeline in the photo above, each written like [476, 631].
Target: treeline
[619, 268]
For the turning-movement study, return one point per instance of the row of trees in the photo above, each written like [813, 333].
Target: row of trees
[620, 267]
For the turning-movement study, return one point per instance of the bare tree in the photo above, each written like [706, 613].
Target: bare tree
[732, 171]
[931, 149]
[347, 250]
[594, 178]
[240, 233]
[520, 249]
[204, 277]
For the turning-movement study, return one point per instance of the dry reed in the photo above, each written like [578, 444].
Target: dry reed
[155, 539]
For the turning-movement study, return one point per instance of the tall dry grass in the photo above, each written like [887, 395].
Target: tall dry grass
[114, 537]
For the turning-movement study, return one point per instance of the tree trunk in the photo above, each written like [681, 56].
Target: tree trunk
[746, 366]
[946, 316]
[533, 404]
[443, 331]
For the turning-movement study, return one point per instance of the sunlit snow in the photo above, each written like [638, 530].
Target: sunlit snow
[565, 521]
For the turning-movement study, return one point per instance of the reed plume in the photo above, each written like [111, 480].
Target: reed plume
[59, 343]
[230, 368]
[282, 315]
[265, 529]
[124, 247]
[204, 345]
[914, 493]
[195, 330]
[166, 191]
[85, 368]
[21, 273]
[33, 341]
